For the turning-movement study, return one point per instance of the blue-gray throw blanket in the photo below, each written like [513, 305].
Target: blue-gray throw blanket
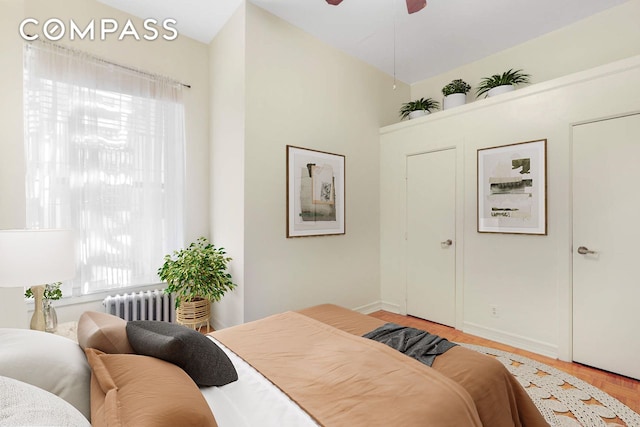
[421, 345]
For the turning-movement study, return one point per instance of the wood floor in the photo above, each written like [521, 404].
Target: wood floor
[622, 388]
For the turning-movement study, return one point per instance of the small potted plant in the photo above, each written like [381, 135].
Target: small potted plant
[455, 94]
[197, 275]
[501, 83]
[43, 296]
[417, 108]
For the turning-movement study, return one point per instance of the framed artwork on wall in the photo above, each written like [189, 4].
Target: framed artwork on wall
[315, 192]
[512, 188]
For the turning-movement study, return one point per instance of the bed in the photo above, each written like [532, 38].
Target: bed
[306, 368]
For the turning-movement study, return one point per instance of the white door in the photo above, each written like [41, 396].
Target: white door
[431, 186]
[606, 245]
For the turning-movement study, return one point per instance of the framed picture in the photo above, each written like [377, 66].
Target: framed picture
[315, 193]
[512, 188]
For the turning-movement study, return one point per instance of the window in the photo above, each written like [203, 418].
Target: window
[104, 150]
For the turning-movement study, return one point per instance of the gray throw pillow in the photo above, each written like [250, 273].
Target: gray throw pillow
[196, 354]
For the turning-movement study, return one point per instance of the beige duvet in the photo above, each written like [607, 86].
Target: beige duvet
[318, 359]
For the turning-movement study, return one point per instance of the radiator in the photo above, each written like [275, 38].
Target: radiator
[148, 305]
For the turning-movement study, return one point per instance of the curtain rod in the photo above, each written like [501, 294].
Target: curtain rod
[97, 58]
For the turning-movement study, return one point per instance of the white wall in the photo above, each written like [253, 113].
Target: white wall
[12, 196]
[183, 59]
[227, 97]
[527, 277]
[605, 37]
[302, 92]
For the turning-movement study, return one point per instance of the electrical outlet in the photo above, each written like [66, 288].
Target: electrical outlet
[494, 311]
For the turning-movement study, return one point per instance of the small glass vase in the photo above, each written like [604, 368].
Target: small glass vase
[50, 316]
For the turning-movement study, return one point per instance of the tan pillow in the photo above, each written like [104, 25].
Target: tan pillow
[133, 390]
[104, 332]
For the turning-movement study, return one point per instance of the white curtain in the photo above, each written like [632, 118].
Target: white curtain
[105, 157]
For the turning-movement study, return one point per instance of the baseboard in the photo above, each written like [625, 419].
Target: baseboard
[514, 340]
[377, 306]
[369, 308]
[217, 324]
[391, 308]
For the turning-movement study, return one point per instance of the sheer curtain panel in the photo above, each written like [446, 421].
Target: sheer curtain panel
[104, 150]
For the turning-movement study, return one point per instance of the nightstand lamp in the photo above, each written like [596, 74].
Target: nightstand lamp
[34, 258]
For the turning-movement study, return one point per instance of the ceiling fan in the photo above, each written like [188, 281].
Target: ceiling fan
[413, 6]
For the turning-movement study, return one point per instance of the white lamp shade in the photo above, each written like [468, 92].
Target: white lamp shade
[36, 257]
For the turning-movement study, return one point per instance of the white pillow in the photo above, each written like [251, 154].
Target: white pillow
[22, 404]
[50, 362]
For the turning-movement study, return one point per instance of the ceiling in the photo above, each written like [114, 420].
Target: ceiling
[444, 35]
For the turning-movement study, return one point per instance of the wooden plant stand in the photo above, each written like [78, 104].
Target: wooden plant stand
[194, 313]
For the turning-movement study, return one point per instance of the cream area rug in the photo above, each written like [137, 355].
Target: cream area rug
[564, 400]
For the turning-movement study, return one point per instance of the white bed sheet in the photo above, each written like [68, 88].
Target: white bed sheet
[252, 400]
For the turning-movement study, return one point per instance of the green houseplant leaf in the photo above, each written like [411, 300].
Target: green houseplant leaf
[51, 291]
[456, 86]
[200, 270]
[426, 104]
[511, 77]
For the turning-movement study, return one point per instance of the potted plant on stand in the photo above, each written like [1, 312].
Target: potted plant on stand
[501, 83]
[197, 275]
[43, 296]
[455, 94]
[417, 108]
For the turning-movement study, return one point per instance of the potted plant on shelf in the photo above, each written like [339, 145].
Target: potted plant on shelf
[501, 83]
[197, 275]
[43, 296]
[455, 94]
[417, 108]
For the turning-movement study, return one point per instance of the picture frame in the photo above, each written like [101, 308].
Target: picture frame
[512, 188]
[315, 193]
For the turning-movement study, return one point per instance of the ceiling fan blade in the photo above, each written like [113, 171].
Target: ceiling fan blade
[414, 6]
[334, 2]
